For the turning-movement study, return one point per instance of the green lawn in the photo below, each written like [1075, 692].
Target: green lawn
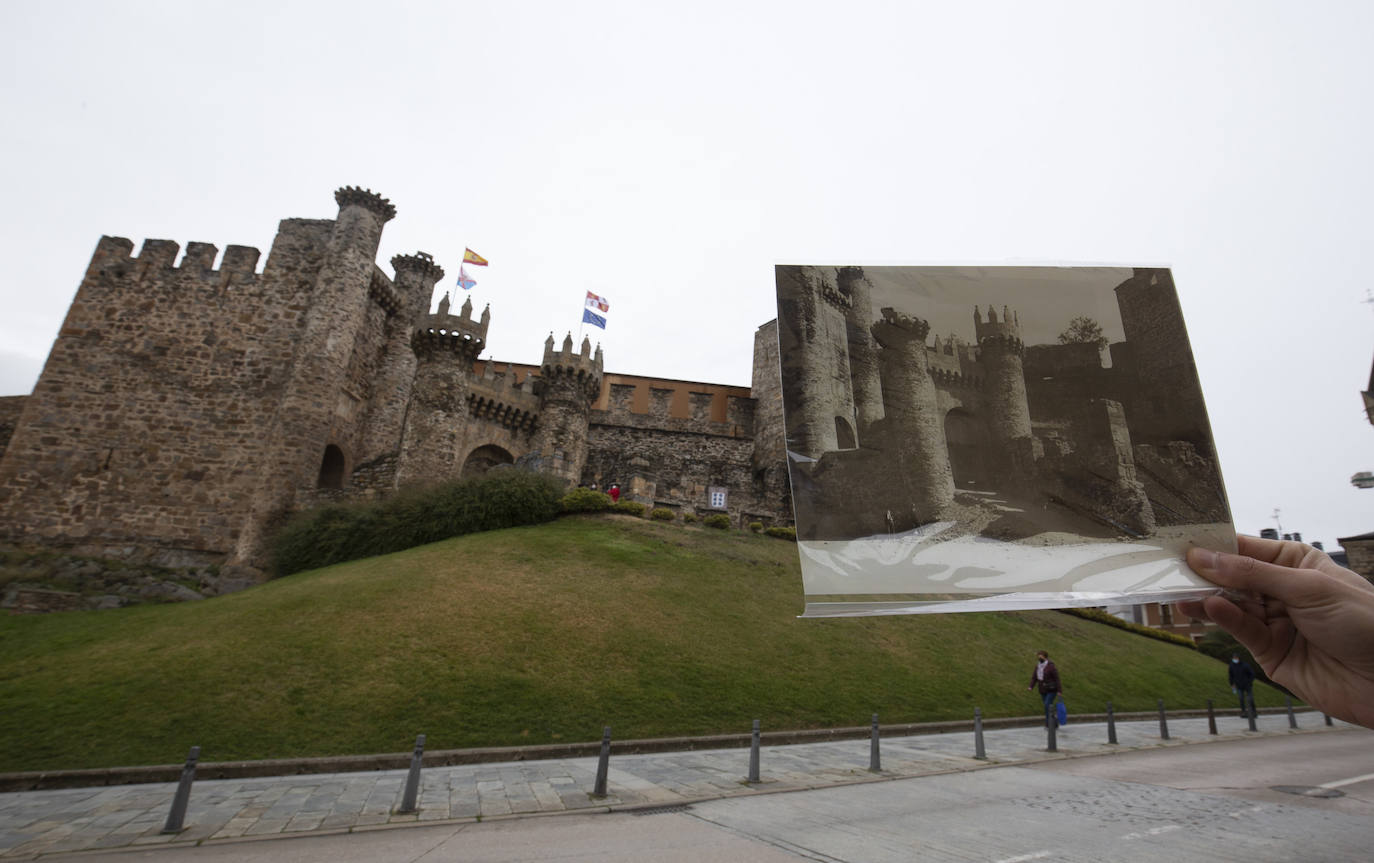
[536, 635]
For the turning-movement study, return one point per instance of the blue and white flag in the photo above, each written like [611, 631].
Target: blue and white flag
[590, 317]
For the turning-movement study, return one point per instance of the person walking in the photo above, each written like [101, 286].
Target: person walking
[1046, 676]
[1242, 679]
[614, 492]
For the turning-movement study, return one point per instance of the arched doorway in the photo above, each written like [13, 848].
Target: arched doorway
[332, 468]
[484, 458]
[967, 441]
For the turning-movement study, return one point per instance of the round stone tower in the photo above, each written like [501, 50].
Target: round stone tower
[571, 383]
[445, 348]
[863, 354]
[1009, 427]
[416, 276]
[305, 422]
[914, 425]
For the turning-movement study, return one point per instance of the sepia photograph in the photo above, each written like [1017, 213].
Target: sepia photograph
[984, 438]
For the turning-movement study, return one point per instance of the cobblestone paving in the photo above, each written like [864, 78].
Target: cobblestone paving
[40, 823]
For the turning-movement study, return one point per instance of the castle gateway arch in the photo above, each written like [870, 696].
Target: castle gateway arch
[483, 459]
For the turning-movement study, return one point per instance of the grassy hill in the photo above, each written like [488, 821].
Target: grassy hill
[536, 635]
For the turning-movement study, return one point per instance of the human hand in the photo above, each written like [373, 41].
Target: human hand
[1308, 622]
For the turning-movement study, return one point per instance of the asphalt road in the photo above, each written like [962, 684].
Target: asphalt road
[1213, 802]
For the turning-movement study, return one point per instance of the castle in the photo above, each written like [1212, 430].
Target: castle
[1126, 447]
[185, 409]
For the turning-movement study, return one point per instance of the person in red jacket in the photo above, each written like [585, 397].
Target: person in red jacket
[1046, 676]
[614, 492]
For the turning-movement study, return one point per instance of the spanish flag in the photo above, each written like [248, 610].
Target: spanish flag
[471, 257]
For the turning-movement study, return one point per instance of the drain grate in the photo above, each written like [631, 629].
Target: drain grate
[662, 810]
[1308, 790]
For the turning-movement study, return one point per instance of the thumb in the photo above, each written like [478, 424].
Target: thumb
[1295, 587]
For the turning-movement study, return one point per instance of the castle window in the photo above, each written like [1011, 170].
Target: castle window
[717, 497]
[331, 468]
[844, 434]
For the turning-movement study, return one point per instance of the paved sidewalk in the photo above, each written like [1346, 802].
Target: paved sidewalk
[36, 824]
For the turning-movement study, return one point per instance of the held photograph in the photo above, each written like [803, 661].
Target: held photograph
[994, 438]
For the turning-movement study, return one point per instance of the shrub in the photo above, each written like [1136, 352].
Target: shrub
[1100, 616]
[585, 500]
[720, 521]
[756, 526]
[339, 532]
[782, 532]
[661, 514]
[689, 518]
[629, 507]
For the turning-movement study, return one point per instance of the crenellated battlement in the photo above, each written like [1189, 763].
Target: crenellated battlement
[445, 333]
[1005, 332]
[583, 365]
[367, 199]
[896, 329]
[157, 258]
[420, 263]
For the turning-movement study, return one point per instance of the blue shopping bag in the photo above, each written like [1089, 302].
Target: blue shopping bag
[1061, 710]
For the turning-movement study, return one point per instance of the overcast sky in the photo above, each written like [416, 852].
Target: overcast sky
[666, 156]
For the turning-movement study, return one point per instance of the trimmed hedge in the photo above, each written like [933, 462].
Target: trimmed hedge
[629, 507]
[661, 514]
[756, 527]
[585, 500]
[788, 533]
[689, 518]
[1100, 616]
[720, 521]
[339, 532]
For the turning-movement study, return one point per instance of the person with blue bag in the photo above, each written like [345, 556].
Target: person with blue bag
[1046, 676]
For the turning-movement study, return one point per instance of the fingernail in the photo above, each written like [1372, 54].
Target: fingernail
[1202, 558]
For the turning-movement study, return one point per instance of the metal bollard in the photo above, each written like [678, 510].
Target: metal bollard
[1052, 731]
[1211, 718]
[1163, 721]
[875, 762]
[1111, 724]
[1292, 720]
[603, 763]
[754, 754]
[183, 793]
[412, 789]
[979, 751]
[1250, 716]
[1327, 717]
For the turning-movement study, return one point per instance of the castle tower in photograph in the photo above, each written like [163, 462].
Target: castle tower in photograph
[571, 382]
[863, 354]
[814, 325]
[915, 425]
[1009, 424]
[445, 347]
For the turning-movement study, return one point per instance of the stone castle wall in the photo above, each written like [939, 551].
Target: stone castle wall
[11, 407]
[186, 408]
[160, 377]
